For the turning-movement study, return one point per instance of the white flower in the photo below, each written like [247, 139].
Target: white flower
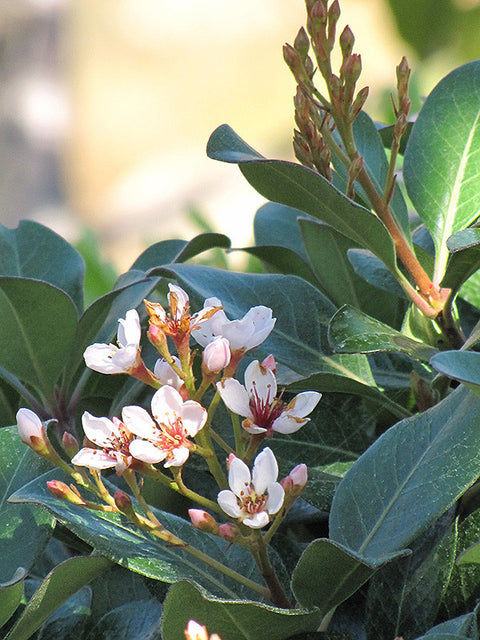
[28, 425]
[195, 631]
[112, 437]
[253, 499]
[257, 402]
[167, 439]
[108, 358]
[166, 375]
[216, 355]
[244, 334]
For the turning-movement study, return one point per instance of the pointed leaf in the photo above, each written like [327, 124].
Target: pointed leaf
[461, 628]
[352, 331]
[388, 497]
[460, 365]
[442, 159]
[61, 583]
[276, 224]
[168, 251]
[24, 530]
[296, 186]
[34, 251]
[38, 326]
[231, 620]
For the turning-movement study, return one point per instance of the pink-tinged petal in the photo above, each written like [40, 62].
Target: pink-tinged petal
[216, 355]
[238, 477]
[28, 424]
[99, 430]
[99, 357]
[228, 502]
[194, 416]
[129, 330]
[303, 403]
[178, 456]
[166, 375]
[275, 498]
[286, 423]
[235, 396]
[94, 459]
[139, 422]
[260, 382]
[146, 451]
[211, 327]
[257, 520]
[238, 333]
[261, 318]
[166, 404]
[265, 470]
[182, 299]
[251, 427]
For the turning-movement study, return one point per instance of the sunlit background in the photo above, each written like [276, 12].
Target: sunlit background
[106, 105]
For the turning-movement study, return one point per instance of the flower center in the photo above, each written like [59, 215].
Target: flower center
[120, 443]
[265, 410]
[251, 502]
[171, 436]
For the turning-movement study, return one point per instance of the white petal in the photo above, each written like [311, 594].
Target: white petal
[260, 382]
[261, 317]
[238, 477]
[28, 424]
[139, 422]
[99, 430]
[303, 403]
[94, 459]
[193, 417]
[166, 375]
[129, 330]
[182, 299]
[235, 396]
[238, 333]
[265, 470]
[178, 456]
[257, 520]
[99, 358]
[146, 451]
[286, 423]
[252, 428]
[125, 358]
[276, 495]
[228, 502]
[166, 404]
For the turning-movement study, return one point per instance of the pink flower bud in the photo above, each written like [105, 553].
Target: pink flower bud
[122, 501]
[299, 476]
[29, 424]
[70, 444]
[228, 531]
[230, 459]
[64, 492]
[216, 355]
[269, 363]
[203, 521]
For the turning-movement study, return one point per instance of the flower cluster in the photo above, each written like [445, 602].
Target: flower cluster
[178, 424]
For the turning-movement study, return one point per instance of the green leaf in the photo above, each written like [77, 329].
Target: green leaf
[470, 290]
[34, 251]
[388, 497]
[298, 339]
[283, 260]
[465, 259]
[386, 135]
[373, 271]
[442, 162]
[139, 551]
[296, 186]
[352, 331]
[461, 628]
[460, 365]
[277, 225]
[139, 620]
[38, 326]
[231, 620]
[61, 583]
[11, 594]
[70, 620]
[328, 573]
[24, 530]
[404, 596]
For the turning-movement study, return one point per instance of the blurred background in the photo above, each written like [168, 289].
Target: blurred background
[106, 105]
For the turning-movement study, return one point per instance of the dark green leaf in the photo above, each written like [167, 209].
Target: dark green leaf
[34, 251]
[460, 365]
[465, 259]
[296, 186]
[231, 620]
[461, 628]
[11, 594]
[388, 497]
[24, 529]
[442, 164]
[69, 621]
[139, 620]
[373, 271]
[352, 331]
[276, 224]
[38, 326]
[61, 583]
[386, 134]
[282, 260]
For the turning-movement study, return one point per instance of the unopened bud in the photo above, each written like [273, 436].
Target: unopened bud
[216, 355]
[228, 531]
[70, 444]
[318, 13]
[302, 44]
[295, 482]
[269, 363]
[166, 375]
[293, 59]
[204, 521]
[230, 459]
[403, 75]
[359, 101]
[64, 492]
[347, 40]
[122, 501]
[351, 68]
[333, 16]
[32, 432]
[157, 337]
